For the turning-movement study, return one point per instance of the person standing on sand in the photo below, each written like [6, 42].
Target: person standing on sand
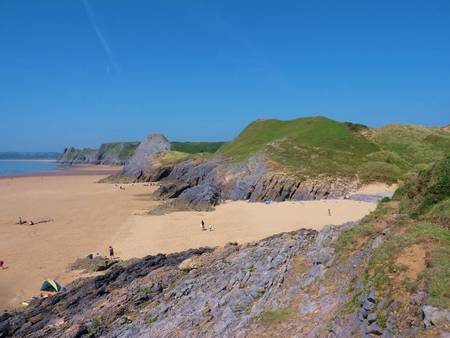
[2, 265]
[111, 252]
[329, 212]
[203, 225]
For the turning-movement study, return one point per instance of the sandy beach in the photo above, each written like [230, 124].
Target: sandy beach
[237, 221]
[88, 216]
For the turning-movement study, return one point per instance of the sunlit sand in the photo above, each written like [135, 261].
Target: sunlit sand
[87, 217]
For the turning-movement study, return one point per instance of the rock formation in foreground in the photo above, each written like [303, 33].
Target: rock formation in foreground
[296, 284]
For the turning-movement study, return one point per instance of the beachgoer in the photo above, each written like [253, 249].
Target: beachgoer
[31, 223]
[329, 212]
[2, 265]
[210, 227]
[111, 252]
[203, 226]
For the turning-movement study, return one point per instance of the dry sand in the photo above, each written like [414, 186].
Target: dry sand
[377, 188]
[85, 215]
[89, 216]
[237, 221]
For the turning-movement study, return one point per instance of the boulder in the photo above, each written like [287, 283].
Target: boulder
[433, 316]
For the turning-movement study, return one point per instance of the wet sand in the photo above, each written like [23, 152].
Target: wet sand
[88, 216]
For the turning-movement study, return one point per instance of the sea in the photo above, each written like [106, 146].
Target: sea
[27, 167]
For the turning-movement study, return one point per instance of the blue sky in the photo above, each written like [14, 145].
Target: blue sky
[80, 73]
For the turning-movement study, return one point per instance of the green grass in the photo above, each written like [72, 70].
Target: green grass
[427, 194]
[314, 146]
[382, 267]
[413, 144]
[440, 212]
[174, 157]
[95, 327]
[196, 147]
[274, 316]
[348, 240]
[305, 146]
[150, 320]
[73, 154]
[118, 150]
[438, 277]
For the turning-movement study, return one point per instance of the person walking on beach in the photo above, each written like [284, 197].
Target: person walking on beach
[329, 212]
[111, 252]
[2, 265]
[203, 225]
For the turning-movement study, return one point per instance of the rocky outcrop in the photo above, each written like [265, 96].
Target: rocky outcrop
[140, 166]
[288, 285]
[72, 155]
[202, 184]
[117, 153]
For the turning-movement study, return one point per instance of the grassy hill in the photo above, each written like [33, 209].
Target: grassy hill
[121, 151]
[427, 194]
[196, 147]
[317, 145]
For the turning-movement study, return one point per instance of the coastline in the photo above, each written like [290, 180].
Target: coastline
[87, 217]
[73, 215]
[67, 170]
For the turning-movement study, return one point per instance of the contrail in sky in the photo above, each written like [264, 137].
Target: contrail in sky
[101, 38]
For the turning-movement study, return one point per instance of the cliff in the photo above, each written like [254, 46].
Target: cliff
[139, 165]
[117, 153]
[71, 155]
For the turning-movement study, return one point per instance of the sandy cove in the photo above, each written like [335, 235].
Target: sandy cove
[88, 216]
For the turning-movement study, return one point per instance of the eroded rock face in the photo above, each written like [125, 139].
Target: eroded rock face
[203, 184]
[287, 285]
[139, 167]
[72, 155]
[197, 293]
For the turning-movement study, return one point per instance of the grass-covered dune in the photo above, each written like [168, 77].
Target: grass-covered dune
[320, 146]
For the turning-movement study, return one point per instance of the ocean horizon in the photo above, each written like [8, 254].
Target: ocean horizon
[27, 167]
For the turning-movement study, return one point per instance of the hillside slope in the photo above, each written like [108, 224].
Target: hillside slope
[386, 275]
[305, 158]
[116, 153]
[319, 146]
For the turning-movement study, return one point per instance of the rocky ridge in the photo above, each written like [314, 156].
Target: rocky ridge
[203, 184]
[291, 284]
[117, 153]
